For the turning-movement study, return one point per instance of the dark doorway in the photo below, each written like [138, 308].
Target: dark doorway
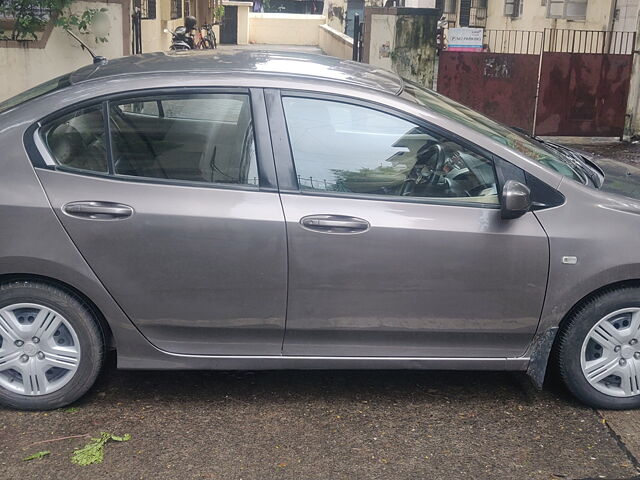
[229, 27]
[353, 7]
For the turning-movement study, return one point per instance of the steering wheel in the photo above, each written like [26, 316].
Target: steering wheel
[425, 155]
[434, 151]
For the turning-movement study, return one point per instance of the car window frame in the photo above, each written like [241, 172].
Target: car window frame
[285, 163]
[267, 180]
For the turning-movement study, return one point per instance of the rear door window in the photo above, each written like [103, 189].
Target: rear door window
[204, 138]
[191, 137]
[77, 140]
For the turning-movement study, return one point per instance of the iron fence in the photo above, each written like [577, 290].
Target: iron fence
[513, 41]
[588, 41]
[558, 41]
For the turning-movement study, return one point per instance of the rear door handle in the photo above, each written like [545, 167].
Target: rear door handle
[92, 210]
[334, 224]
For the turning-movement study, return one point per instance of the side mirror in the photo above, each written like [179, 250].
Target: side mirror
[516, 199]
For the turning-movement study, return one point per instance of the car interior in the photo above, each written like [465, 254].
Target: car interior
[352, 149]
[162, 143]
[207, 140]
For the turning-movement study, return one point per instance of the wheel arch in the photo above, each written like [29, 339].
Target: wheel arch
[545, 344]
[107, 333]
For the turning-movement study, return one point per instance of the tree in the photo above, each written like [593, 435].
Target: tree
[31, 16]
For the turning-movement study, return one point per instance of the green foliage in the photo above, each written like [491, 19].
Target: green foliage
[218, 12]
[31, 16]
[93, 452]
[71, 409]
[37, 456]
[81, 22]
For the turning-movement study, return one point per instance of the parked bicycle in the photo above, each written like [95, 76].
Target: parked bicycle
[207, 37]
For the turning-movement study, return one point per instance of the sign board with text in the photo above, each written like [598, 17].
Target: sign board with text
[465, 39]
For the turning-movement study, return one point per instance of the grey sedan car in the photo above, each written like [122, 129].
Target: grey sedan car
[251, 210]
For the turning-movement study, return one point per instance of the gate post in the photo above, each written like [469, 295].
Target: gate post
[632, 123]
[356, 37]
[535, 106]
[136, 26]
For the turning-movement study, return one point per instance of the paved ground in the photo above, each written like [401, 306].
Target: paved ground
[319, 425]
[328, 425]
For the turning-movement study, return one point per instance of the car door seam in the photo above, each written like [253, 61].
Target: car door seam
[284, 220]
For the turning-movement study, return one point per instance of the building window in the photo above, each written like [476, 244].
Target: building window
[513, 8]
[448, 10]
[147, 8]
[449, 6]
[176, 9]
[569, 9]
[478, 14]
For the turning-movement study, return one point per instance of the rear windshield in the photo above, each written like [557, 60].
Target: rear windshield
[42, 89]
[492, 129]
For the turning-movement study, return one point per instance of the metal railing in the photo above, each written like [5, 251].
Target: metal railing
[558, 41]
[588, 41]
[513, 41]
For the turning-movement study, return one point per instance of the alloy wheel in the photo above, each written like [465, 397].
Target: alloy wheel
[610, 355]
[39, 349]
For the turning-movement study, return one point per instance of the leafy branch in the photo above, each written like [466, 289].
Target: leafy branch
[31, 17]
[93, 452]
[37, 456]
[81, 22]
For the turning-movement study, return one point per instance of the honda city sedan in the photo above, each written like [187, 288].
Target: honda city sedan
[251, 210]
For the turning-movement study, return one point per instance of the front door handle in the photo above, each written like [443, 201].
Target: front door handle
[334, 224]
[92, 210]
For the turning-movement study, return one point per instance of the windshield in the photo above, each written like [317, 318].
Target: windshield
[42, 89]
[516, 141]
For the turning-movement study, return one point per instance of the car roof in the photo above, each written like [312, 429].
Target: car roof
[246, 62]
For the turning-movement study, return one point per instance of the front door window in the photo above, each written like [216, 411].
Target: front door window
[349, 149]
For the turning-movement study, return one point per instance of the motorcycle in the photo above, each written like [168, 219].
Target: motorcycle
[181, 38]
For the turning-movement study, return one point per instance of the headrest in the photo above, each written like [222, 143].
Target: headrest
[65, 143]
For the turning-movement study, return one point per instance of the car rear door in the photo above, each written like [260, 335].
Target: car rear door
[173, 203]
[391, 253]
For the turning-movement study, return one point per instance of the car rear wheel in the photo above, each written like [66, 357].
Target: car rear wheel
[51, 346]
[599, 350]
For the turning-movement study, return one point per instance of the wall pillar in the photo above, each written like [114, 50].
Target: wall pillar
[402, 39]
[632, 126]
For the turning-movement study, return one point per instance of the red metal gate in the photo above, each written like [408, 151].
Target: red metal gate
[583, 79]
[500, 85]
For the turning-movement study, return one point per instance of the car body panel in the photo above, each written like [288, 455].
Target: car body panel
[424, 280]
[294, 65]
[33, 242]
[600, 229]
[198, 270]
[588, 220]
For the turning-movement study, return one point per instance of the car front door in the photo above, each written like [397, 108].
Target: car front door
[173, 203]
[396, 242]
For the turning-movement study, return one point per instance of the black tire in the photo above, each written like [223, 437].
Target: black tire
[571, 338]
[90, 336]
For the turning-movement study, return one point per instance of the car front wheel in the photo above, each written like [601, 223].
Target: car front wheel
[599, 350]
[51, 346]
